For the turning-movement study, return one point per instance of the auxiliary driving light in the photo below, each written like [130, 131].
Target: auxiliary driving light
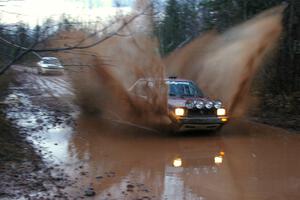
[179, 111]
[199, 104]
[209, 105]
[221, 112]
[218, 104]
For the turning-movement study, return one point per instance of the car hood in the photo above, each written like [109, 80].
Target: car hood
[181, 102]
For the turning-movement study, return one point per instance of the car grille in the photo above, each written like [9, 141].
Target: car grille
[201, 112]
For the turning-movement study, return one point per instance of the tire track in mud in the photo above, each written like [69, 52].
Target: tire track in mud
[54, 86]
[56, 90]
[62, 84]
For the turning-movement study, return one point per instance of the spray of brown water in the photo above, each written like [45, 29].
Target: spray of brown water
[223, 65]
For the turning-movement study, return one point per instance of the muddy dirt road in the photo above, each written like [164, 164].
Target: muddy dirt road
[105, 160]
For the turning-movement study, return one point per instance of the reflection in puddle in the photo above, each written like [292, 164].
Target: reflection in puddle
[124, 163]
[56, 141]
[185, 167]
[45, 133]
[163, 165]
[218, 159]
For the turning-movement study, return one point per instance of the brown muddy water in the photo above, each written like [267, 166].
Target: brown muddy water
[110, 160]
[244, 161]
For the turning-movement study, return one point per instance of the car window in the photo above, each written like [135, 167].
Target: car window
[183, 89]
[51, 61]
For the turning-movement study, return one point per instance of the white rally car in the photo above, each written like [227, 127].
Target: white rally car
[50, 65]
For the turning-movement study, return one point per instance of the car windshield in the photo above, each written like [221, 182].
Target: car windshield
[183, 89]
[52, 61]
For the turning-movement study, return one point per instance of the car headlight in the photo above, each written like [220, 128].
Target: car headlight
[177, 162]
[218, 104]
[199, 104]
[221, 112]
[209, 105]
[179, 111]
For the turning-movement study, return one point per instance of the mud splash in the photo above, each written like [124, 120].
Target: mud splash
[223, 65]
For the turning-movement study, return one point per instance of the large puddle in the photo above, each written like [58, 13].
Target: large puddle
[244, 161]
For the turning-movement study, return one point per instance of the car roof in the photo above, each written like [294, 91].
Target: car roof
[177, 79]
[166, 79]
[49, 58]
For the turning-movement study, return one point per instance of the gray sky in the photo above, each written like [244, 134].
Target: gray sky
[36, 11]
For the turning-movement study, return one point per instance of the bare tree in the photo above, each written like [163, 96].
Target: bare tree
[82, 44]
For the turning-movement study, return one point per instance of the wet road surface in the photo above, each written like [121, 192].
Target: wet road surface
[108, 160]
[244, 161]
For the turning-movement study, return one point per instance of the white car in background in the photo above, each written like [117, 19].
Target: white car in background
[50, 65]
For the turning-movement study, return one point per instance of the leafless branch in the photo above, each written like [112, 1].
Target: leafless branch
[79, 45]
[12, 13]
[12, 44]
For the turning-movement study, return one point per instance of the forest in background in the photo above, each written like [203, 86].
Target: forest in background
[177, 22]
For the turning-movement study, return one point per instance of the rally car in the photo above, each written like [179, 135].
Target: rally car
[188, 107]
[50, 65]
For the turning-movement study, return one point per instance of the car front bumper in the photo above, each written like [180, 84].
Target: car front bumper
[200, 123]
[51, 70]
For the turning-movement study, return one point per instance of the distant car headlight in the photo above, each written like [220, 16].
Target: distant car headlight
[221, 112]
[179, 112]
[209, 105]
[199, 104]
[218, 104]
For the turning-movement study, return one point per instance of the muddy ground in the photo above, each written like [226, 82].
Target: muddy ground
[289, 121]
[49, 151]
[277, 111]
[23, 172]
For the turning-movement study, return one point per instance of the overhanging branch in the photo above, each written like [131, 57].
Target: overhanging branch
[79, 45]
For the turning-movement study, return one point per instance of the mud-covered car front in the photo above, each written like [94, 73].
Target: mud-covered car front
[191, 110]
